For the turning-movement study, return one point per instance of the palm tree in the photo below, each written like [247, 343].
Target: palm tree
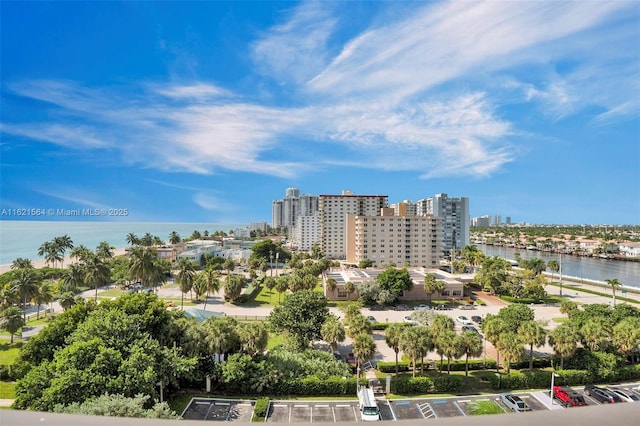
[73, 278]
[96, 273]
[48, 250]
[596, 334]
[364, 348]
[392, 337]
[448, 345]
[104, 251]
[147, 240]
[8, 296]
[493, 327]
[67, 300]
[410, 345]
[282, 285]
[63, 244]
[626, 336]
[186, 272]
[43, 295]
[212, 280]
[26, 285]
[221, 335]
[564, 340]
[511, 348]
[440, 325]
[553, 266]
[22, 263]
[470, 344]
[349, 287]
[614, 284]
[132, 239]
[11, 320]
[332, 332]
[532, 334]
[332, 284]
[253, 337]
[174, 237]
[425, 344]
[80, 253]
[142, 265]
[431, 285]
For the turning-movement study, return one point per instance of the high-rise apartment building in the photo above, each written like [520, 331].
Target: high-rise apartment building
[387, 238]
[404, 208]
[306, 232]
[455, 218]
[333, 210]
[286, 211]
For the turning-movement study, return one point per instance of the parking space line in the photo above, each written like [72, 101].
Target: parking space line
[333, 411]
[393, 412]
[355, 414]
[222, 403]
[301, 405]
[343, 405]
[290, 408]
[311, 415]
[465, 400]
[208, 411]
[455, 404]
[228, 414]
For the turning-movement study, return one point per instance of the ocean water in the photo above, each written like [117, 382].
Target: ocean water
[23, 238]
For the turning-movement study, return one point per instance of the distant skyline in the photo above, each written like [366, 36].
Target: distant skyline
[207, 111]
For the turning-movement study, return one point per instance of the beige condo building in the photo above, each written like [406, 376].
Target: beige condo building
[333, 211]
[386, 238]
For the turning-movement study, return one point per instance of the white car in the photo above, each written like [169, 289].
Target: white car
[410, 320]
[514, 402]
[464, 320]
[625, 395]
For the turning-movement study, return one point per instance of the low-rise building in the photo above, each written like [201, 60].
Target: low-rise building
[629, 249]
[454, 288]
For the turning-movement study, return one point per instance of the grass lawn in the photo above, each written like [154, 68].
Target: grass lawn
[7, 390]
[112, 292]
[265, 297]
[9, 353]
[275, 341]
[560, 320]
[478, 408]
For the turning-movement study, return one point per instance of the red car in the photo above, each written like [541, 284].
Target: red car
[351, 359]
[567, 396]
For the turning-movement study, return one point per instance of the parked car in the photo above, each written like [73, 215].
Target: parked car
[464, 320]
[601, 395]
[351, 359]
[477, 319]
[467, 307]
[625, 395]
[471, 328]
[568, 397]
[338, 356]
[417, 308]
[402, 307]
[410, 320]
[514, 402]
[372, 319]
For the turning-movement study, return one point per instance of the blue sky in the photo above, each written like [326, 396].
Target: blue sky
[208, 111]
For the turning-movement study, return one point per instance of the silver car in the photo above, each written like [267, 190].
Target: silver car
[514, 402]
[625, 395]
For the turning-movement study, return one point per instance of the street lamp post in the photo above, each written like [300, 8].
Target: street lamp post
[553, 376]
[499, 376]
[161, 389]
[271, 262]
[277, 256]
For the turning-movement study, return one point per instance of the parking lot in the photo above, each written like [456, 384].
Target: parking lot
[313, 412]
[219, 409]
[347, 410]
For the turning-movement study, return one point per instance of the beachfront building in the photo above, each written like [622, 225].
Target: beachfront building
[454, 288]
[285, 212]
[455, 219]
[306, 232]
[387, 239]
[333, 211]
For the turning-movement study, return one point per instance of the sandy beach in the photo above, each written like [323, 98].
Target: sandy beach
[40, 263]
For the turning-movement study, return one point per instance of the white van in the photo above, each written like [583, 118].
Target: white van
[368, 404]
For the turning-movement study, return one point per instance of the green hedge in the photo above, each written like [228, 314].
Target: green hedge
[448, 383]
[313, 386]
[413, 385]
[456, 365]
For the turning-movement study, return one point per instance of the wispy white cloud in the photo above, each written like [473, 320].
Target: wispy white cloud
[411, 94]
[79, 198]
[296, 49]
[211, 202]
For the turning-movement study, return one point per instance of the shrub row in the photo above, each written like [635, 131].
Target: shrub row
[542, 379]
[14, 371]
[313, 386]
[456, 365]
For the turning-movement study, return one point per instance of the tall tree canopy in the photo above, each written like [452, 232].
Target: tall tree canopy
[301, 315]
